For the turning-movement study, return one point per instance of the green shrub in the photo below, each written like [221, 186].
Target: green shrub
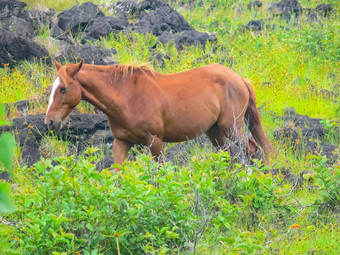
[6, 152]
[146, 208]
[328, 180]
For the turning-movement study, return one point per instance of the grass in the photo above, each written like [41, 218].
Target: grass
[286, 68]
[59, 5]
[322, 239]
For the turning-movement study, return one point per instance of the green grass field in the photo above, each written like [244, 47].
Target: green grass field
[207, 205]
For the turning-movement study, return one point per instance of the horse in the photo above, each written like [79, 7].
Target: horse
[148, 108]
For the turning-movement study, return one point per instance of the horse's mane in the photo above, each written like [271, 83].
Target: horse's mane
[120, 71]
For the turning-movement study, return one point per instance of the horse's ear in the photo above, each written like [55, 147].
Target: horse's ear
[74, 69]
[57, 64]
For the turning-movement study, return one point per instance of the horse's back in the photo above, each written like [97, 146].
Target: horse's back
[194, 100]
[210, 82]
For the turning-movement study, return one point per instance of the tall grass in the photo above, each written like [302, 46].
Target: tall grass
[60, 5]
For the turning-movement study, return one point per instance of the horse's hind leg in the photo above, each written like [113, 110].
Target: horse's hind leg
[251, 148]
[240, 145]
[217, 138]
[228, 134]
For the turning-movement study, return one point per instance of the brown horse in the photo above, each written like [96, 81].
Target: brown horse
[149, 108]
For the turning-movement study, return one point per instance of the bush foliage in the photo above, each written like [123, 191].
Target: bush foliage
[150, 208]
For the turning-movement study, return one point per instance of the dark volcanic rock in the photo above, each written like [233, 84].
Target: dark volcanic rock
[254, 5]
[330, 94]
[286, 8]
[288, 176]
[14, 18]
[15, 28]
[158, 18]
[312, 15]
[12, 8]
[103, 26]
[155, 14]
[167, 24]
[79, 17]
[91, 54]
[105, 162]
[85, 124]
[188, 37]
[18, 26]
[88, 129]
[307, 135]
[28, 131]
[124, 8]
[41, 20]
[324, 9]
[159, 59]
[22, 106]
[254, 25]
[14, 47]
[4, 176]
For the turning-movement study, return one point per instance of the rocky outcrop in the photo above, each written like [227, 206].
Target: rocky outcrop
[78, 18]
[89, 24]
[103, 26]
[14, 48]
[286, 8]
[254, 5]
[155, 17]
[254, 25]
[84, 129]
[15, 35]
[91, 54]
[308, 135]
[324, 10]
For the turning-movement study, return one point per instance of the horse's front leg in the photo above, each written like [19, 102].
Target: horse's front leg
[120, 151]
[156, 148]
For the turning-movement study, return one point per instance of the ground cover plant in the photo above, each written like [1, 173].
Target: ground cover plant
[201, 203]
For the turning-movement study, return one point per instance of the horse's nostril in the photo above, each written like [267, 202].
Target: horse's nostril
[51, 123]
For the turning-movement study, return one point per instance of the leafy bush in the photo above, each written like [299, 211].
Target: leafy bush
[6, 151]
[328, 179]
[146, 208]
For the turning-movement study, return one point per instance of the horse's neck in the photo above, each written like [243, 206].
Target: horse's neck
[97, 90]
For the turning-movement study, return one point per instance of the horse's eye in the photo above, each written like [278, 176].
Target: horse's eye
[62, 89]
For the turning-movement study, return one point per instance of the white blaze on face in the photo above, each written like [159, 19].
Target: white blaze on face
[54, 87]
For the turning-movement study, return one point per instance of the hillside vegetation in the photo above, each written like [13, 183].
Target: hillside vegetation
[201, 202]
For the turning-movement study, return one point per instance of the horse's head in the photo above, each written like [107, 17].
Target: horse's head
[65, 94]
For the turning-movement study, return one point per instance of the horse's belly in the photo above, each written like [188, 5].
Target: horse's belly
[180, 137]
[190, 114]
[184, 129]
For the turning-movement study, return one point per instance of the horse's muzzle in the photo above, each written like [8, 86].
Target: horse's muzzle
[52, 124]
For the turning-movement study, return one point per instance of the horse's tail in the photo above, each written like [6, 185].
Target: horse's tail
[253, 121]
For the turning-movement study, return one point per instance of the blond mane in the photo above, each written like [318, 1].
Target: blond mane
[120, 71]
